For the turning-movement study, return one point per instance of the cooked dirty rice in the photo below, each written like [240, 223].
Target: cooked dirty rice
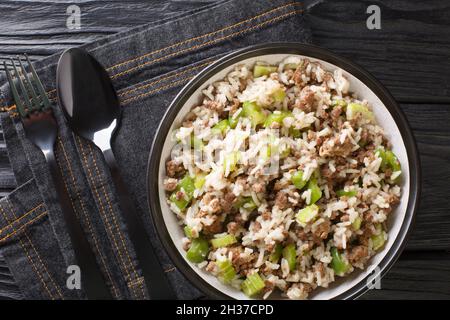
[294, 183]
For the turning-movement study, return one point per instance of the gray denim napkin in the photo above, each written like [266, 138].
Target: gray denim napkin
[148, 66]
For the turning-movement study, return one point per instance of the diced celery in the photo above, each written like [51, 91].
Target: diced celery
[357, 224]
[277, 116]
[276, 253]
[198, 251]
[188, 186]
[221, 127]
[381, 153]
[354, 108]
[260, 70]
[246, 203]
[295, 133]
[316, 193]
[285, 153]
[252, 285]
[339, 102]
[392, 161]
[339, 265]
[226, 271]
[379, 239]
[224, 241]
[231, 161]
[279, 95]
[253, 112]
[188, 231]
[342, 193]
[307, 214]
[297, 180]
[290, 254]
[291, 66]
[196, 143]
[233, 120]
[199, 181]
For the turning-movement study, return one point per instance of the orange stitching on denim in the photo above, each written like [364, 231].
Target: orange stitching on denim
[21, 217]
[33, 265]
[170, 85]
[58, 290]
[102, 209]
[277, 18]
[115, 221]
[175, 45]
[86, 216]
[166, 77]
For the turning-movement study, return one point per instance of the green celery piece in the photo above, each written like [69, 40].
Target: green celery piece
[354, 108]
[342, 193]
[316, 193]
[252, 285]
[233, 121]
[221, 127]
[286, 152]
[392, 161]
[338, 264]
[196, 143]
[295, 133]
[188, 231]
[276, 254]
[357, 224]
[260, 70]
[224, 241]
[199, 180]
[291, 66]
[226, 271]
[378, 240]
[307, 214]
[339, 102]
[198, 251]
[231, 159]
[297, 180]
[246, 203]
[253, 112]
[290, 254]
[276, 117]
[279, 95]
[188, 186]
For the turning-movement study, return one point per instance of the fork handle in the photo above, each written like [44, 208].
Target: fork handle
[155, 277]
[92, 280]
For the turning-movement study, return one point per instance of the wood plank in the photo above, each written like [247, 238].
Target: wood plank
[417, 276]
[410, 54]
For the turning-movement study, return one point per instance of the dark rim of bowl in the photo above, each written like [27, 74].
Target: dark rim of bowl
[282, 48]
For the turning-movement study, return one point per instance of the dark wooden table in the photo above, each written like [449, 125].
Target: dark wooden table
[410, 55]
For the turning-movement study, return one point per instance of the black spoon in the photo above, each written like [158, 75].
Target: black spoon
[92, 110]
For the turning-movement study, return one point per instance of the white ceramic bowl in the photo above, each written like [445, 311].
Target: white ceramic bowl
[387, 114]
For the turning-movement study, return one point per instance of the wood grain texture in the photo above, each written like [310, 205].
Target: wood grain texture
[410, 54]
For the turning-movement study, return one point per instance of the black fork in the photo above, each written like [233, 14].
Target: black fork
[41, 128]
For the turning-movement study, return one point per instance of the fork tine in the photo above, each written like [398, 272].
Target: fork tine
[38, 83]
[34, 98]
[16, 96]
[26, 97]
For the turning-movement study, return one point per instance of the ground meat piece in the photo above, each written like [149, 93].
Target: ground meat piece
[266, 215]
[388, 173]
[281, 200]
[227, 202]
[327, 173]
[256, 226]
[234, 106]
[301, 234]
[332, 147]
[179, 195]
[306, 100]
[170, 184]
[345, 218]
[321, 231]
[320, 268]
[173, 168]
[280, 185]
[358, 254]
[233, 227]
[211, 266]
[259, 187]
[215, 206]
[336, 112]
[215, 227]
[215, 106]
[242, 180]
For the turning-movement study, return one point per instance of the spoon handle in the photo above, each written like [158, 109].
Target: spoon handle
[155, 278]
